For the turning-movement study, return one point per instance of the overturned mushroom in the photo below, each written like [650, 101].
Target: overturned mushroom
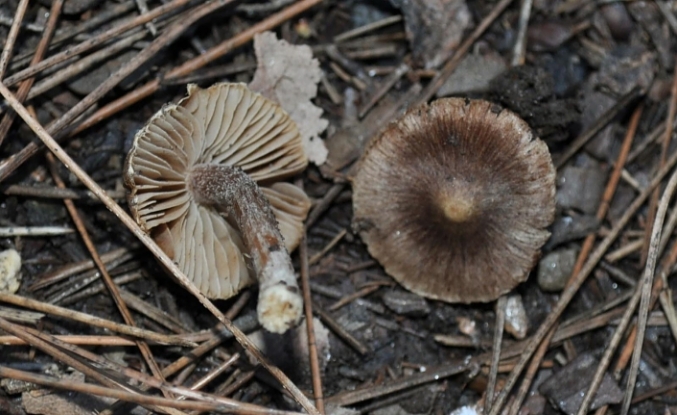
[193, 172]
[454, 198]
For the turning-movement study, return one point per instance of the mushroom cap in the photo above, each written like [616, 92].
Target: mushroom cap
[453, 200]
[224, 124]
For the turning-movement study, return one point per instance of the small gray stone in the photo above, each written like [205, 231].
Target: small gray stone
[566, 388]
[555, 269]
[581, 188]
[405, 303]
[569, 228]
[473, 74]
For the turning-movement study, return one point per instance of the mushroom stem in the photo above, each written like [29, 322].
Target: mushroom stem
[234, 193]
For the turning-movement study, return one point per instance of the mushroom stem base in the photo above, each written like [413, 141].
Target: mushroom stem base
[231, 191]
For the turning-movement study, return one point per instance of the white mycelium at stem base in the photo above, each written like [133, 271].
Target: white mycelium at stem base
[233, 193]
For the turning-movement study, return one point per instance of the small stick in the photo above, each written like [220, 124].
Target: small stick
[214, 373]
[38, 340]
[219, 406]
[521, 41]
[624, 250]
[92, 320]
[618, 274]
[382, 89]
[98, 340]
[431, 374]
[655, 392]
[26, 85]
[650, 139]
[94, 22]
[218, 336]
[337, 294]
[34, 231]
[667, 230]
[324, 204]
[156, 250]
[349, 298]
[349, 65]
[653, 203]
[71, 295]
[665, 298]
[11, 37]
[220, 71]
[333, 94]
[76, 357]
[263, 8]
[310, 327]
[668, 15]
[152, 312]
[112, 259]
[143, 8]
[645, 285]
[359, 31]
[495, 352]
[95, 41]
[629, 179]
[8, 21]
[335, 240]
[197, 62]
[49, 192]
[382, 51]
[83, 64]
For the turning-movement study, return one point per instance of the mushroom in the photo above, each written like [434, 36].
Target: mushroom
[453, 200]
[194, 171]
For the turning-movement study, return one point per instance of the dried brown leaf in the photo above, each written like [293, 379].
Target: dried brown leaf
[288, 74]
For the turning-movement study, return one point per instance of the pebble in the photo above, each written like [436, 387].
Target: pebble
[473, 74]
[516, 321]
[581, 188]
[555, 269]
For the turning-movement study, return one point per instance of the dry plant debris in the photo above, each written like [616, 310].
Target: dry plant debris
[288, 74]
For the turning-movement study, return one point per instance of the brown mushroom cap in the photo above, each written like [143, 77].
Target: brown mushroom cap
[224, 124]
[454, 198]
